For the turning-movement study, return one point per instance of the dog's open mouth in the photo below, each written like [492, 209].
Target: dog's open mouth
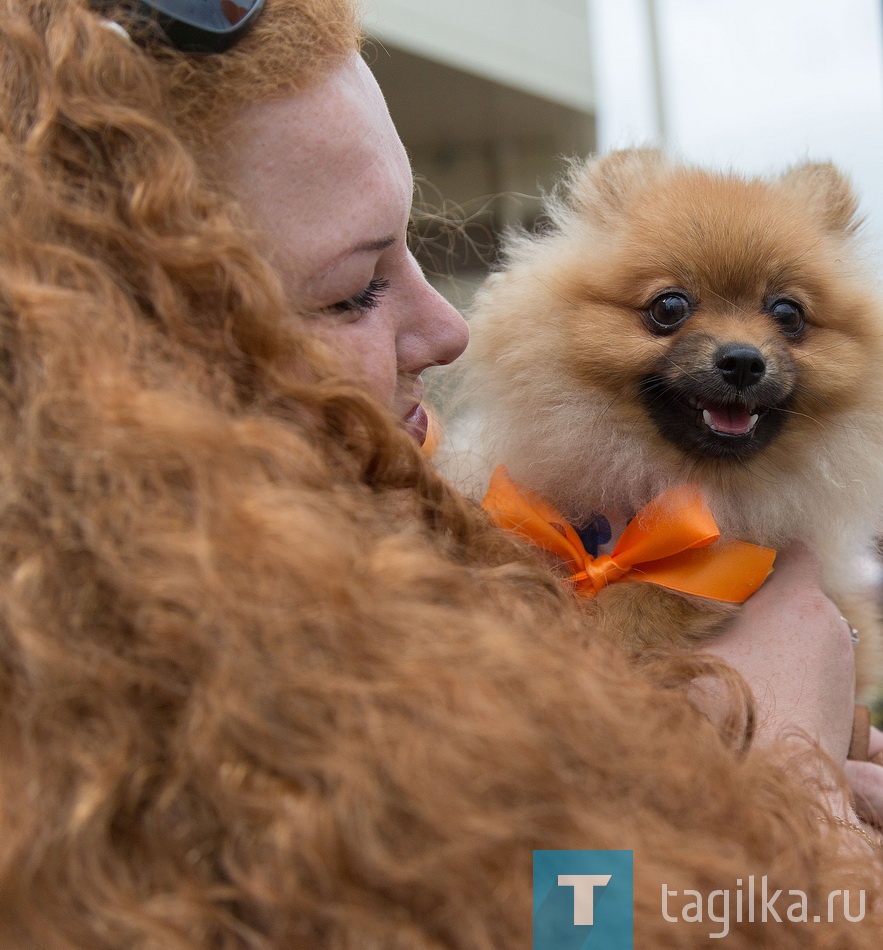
[729, 421]
[718, 427]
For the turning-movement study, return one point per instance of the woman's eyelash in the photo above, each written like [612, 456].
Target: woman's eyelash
[366, 299]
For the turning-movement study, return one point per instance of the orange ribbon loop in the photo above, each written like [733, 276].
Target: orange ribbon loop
[673, 542]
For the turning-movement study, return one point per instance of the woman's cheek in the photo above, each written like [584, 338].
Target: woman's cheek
[367, 349]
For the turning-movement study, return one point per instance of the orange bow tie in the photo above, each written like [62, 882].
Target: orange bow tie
[673, 541]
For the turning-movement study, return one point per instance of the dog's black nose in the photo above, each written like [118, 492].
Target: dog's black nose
[740, 365]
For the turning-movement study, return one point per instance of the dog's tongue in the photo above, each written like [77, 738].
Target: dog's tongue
[729, 421]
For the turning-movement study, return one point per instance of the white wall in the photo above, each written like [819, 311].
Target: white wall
[540, 46]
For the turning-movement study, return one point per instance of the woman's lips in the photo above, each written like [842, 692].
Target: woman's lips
[417, 423]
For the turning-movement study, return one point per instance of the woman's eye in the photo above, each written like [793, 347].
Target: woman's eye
[788, 314]
[668, 311]
[363, 301]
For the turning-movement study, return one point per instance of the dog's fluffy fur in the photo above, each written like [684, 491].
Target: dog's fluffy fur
[572, 385]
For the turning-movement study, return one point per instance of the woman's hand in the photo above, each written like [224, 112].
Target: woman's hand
[793, 648]
[866, 781]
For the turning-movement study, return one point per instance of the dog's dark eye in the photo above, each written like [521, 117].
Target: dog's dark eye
[668, 311]
[788, 314]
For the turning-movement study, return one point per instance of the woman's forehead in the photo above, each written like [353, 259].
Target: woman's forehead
[332, 137]
[321, 170]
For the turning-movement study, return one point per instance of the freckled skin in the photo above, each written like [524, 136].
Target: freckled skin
[324, 177]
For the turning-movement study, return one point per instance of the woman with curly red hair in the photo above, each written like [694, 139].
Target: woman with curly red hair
[266, 680]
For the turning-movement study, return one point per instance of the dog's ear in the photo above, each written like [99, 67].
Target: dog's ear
[826, 192]
[603, 188]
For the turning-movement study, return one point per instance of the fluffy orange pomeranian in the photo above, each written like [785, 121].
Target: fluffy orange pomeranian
[676, 327]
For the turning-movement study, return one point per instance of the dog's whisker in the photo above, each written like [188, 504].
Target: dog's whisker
[682, 369]
[731, 303]
[586, 294]
[822, 424]
[819, 350]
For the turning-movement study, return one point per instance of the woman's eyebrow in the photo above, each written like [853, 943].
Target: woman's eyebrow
[379, 245]
[363, 247]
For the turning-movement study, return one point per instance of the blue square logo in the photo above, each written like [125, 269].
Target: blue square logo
[583, 900]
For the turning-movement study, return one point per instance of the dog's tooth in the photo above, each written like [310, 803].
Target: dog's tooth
[752, 422]
[706, 417]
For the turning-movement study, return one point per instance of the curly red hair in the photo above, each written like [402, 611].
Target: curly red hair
[266, 681]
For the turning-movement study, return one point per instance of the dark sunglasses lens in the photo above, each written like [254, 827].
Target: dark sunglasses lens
[219, 16]
[202, 26]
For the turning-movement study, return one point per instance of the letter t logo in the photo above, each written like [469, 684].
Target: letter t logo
[583, 895]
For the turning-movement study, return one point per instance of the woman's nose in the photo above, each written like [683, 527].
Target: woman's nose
[451, 329]
[438, 334]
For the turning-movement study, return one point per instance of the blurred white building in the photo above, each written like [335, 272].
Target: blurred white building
[489, 94]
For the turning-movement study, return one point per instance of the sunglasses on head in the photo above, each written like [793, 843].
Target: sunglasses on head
[194, 26]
